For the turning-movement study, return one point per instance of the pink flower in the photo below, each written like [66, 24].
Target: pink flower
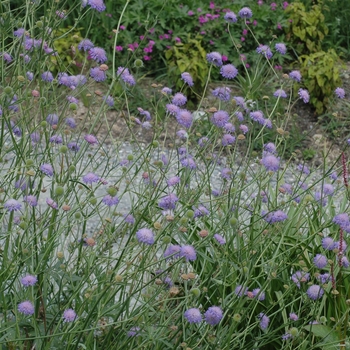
[212, 5]
[147, 49]
[161, 37]
[224, 58]
[255, 23]
[147, 58]
[151, 43]
[247, 65]
[245, 31]
[242, 38]
[119, 48]
[279, 26]
[199, 9]
[131, 47]
[285, 5]
[142, 37]
[122, 27]
[152, 30]
[190, 13]
[260, 2]
[178, 40]
[166, 36]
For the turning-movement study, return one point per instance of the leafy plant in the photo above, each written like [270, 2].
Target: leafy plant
[320, 73]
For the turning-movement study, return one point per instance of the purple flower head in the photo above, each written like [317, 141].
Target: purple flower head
[328, 189]
[280, 93]
[98, 74]
[328, 243]
[134, 332]
[343, 246]
[257, 116]
[320, 261]
[168, 202]
[73, 146]
[221, 240]
[260, 295]
[287, 188]
[281, 48]
[71, 122]
[47, 169]
[228, 71]
[300, 276]
[220, 118]
[188, 252]
[173, 251]
[264, 321]
[226, 173]
[229, 127]
[26, 308]
[188, 162]
[6, 57]
[265, 50]
[97, 5]
[304, 95]
[145, 236]
[243, 128]
[227, 139]
[172, 109]
[182, 134]
[69, 315]
[52, 119]
[324, 278]
[29, 280]
[179, 99]
[91, 139]
[214, 58]
[167, 90]
[293, 316]
[57, 139]
[270, 162]
[173, 181]
[303, 168]
[275, 216]
[222, 93]
[129, 219]
[186, 77]
[200, 211]
[19, 32]
[184, 118]
[110, 200]
[315, 292]
[270, 148]
[51, 203]
[98, 54]
[245, 12]
[31, 200]
[341, 219]
[12, 205]
[345, 262]
[213, 315]
[240, 290]
[145, 113]
[295, 75]
[240, 101]
[85, 45]
[47, 76]
[340, 92]
[230, 17]
[30, 76]
[193, 315]
[90, 178]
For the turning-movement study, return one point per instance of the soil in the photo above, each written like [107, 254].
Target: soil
[317, 137]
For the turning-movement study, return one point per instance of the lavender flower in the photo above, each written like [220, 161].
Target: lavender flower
[186, 77]
[91, 139]
[264, 321]
[85, 45]
[241, 290]
[324, 278]
[200, 211]
[12, 205]
[52, 119]
[26, 308]
[245, 12]
[98, 54]
[188, 252]
[222, 93]
[73, 146]
[57, 139]
[281, 48]
[193, 315]
[173, 251]
[110, 200]
[97, 5]
[134, 332]
[90, 178]
[295, 75]
[173, 181]
[31, 200]
[270, 162]
[226, 173]
[220, 118]
[265, 50]
[230, 17]
[315, 292]
[98, 74]
[320, 261]
[51, 203]
[270, 148]
[168, 202]
[29, 280]
[145, 236]
[221, 240]
[276, 216]
[47, 76]
[214, 58]
[213, 315]
[280, 93]
[304, 95]
[340, 92]
[300, 276]
[30, 76]
[179, 99]
[228, 71]
[129, 219]
[184, 118]
[341, 219]
[172, 109]
[259, 294]
[166, 90]
[69, 315]
[257, 116]
[71, 122]
[293, 316]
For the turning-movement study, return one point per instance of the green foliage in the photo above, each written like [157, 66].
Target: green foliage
[307, 29]
[189, 57]
[320, 73]
[66, 45]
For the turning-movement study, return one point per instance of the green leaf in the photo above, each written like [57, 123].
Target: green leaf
[330, 339]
